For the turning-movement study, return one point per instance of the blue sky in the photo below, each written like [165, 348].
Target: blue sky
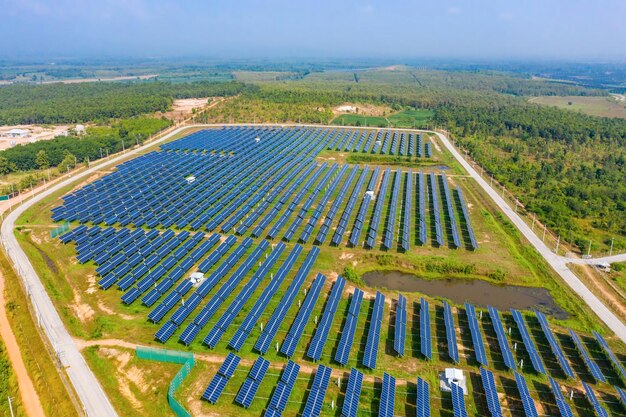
[547, 29]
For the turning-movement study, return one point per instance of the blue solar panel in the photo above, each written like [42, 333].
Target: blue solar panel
[564, 408]
[527, 402]
[387, 396]
[477, 336]
[590, 363]
[370, 354]
[593, 400]
[458, 401]
[509, 361]
[453, 350]
[399, 339]
[353, 392]
[349, 328]
[315, 399]
[556, 348]
[528, 342]
[466, 217]
[219, 381]
[456, 240]
[321, 333]
[426, 346]
[434, 202]
[489, 385]
[423, 399]
[248, 390]
[617, 365]
[622, 396]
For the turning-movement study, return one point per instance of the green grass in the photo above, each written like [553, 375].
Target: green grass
[594, 106]
[360, 120]
[413, 118]
[39, 364]
[8, 386]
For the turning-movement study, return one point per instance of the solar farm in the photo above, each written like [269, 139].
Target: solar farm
[225, 243]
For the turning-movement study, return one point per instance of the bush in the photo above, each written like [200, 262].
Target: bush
[350, 274]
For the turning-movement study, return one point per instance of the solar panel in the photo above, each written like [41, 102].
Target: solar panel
[564, 408]
[370, 354]
[509, 361]
[349, 328]
[353, 392]
[387, 396]
[528, 342]
[219, 381]
[622, 396]
[453, 349]
[527, 402]
[591, 396]
[315, 399]
[321, 333]
[426, 347]
[248, 390]
[458, 401]
[423, 398]
[477, 336]
[489, 385]
[590, 363]
[617, 365]
[399, 339]
[556, 348]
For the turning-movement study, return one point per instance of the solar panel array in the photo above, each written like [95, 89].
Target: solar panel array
[491, 393]
[593, 400]
[509, 360]
[313, 405]
[556, 348]
[405, 241]
[622, 396]
[224, 322]
[392, 212]
[347, 212]
[426, 345]
[370, 355]
[353, 392]
[250, 386]
[617, 365]
[219, 381]
[453, 349]
[334, 208]
[349, 328]
[378, 211]
[527, 402]
[297, 327]
[281, 394]
[323, 328]
[528, 342]
[590, 363]
[564, 408]
[429, 150]
[458, 401]
[422, 405]
[477, 336]
[261, 303]
[434, 203]
[466, 218]
[387, 396]
[399, 339]
[421, 221]
[273, 324]
[456, 240]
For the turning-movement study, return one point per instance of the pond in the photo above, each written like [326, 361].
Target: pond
[477, 292]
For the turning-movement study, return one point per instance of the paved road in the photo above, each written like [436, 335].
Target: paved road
[594, 261]
[87, 387]
[558, 263]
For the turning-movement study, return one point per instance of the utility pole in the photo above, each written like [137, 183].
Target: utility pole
[589, 249]
[543, 239]
[611, 249]
[11, 407]
[558, 241]
[533, 226]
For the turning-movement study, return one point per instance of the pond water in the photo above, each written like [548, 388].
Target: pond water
[477, 292]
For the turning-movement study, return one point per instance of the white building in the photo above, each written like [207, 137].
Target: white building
[17, 133]
[346, 108]
[450, 376]
[80, 129]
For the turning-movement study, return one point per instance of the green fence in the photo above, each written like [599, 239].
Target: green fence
[162, 355]
[57, 231]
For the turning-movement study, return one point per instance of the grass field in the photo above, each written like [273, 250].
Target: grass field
[412, 118]
[92, 314]
[594, 106]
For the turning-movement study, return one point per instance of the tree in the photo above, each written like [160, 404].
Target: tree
[68, 160]
[5, 166]
[42, 160]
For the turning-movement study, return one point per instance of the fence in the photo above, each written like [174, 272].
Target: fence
[162, 355]
[57, 231]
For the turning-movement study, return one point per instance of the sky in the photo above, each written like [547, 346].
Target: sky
[476, 29]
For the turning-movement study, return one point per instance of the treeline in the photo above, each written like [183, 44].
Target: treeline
[66, 151]
[83, 102]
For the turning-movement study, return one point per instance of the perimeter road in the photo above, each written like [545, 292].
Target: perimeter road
[558, 263]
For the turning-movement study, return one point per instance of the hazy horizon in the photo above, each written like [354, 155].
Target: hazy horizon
[277, 29]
